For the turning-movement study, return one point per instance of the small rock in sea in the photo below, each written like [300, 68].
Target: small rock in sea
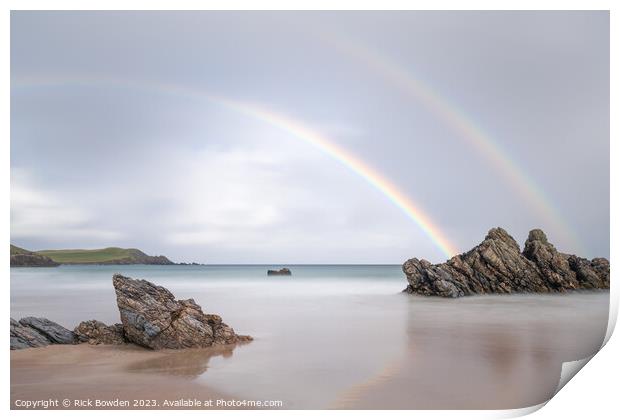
[281, 272]
[498, 266]
[152, 318]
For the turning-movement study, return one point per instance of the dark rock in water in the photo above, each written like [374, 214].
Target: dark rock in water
[281, 272]
[152, 318]
[55, 333]
[23, 337]
[96, 332]
[498, 266]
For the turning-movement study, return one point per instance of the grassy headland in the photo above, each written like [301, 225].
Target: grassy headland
[112, 255]
[90, 256]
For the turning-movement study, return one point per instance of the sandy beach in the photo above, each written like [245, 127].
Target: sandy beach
[113, 375]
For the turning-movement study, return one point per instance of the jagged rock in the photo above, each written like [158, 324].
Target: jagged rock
[150, 315]
[590, 274]
[281, 272]
[96, 332]
[23, 337]
[498, 266]
[38, 332]
[55, 333]
[152, 318]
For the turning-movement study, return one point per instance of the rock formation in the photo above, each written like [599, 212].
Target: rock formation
[280, 272]
[152, 318]
[498, 266]
[23, 337]
[150, 315]
[96, 332]
[23, 258]
[38, 332]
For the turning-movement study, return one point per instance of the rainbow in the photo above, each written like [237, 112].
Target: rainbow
[290, 126]
[490, 150]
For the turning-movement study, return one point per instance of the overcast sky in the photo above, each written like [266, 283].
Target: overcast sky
[106, 152]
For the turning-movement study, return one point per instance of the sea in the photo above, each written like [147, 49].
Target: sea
[345, 336]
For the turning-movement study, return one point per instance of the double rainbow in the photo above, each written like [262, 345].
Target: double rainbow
[406, 83]
[284, 123]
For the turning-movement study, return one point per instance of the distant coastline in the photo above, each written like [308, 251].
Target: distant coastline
[21, 257]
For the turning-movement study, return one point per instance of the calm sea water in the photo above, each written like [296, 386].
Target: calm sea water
[344, 336]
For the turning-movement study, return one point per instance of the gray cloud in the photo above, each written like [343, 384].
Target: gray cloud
[100, 156]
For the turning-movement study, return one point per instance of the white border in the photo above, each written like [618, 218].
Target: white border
[593, 393]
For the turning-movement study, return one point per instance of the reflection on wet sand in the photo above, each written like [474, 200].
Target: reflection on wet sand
[190, 363]
[485, 352]
[127, 372]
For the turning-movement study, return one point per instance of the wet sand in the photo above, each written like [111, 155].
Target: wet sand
[108, 373]
[471, 354]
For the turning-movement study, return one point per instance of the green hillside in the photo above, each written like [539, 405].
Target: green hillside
[111, 255]
[17, 250]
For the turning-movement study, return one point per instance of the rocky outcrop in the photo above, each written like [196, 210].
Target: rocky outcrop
[150, 315]
[497, 265]
[153, 318]
[32, 260]
[23, 337]
[38, 332]
[96, 332]
[23, 258]
[54, 332]
[280, 272]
